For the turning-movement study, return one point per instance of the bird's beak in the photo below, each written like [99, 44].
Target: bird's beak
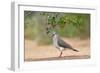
[52, 35]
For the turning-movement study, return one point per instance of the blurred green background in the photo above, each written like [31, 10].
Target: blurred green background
[68, 25]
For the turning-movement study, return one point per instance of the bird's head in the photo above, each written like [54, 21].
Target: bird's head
[53, 34]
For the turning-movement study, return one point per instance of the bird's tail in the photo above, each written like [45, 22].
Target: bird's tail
[74, 50]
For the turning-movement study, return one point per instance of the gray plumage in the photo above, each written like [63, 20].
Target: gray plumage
[65, 45]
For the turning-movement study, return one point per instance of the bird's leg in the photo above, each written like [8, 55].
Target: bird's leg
[60, 54]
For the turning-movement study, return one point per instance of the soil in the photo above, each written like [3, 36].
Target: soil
[34, 52]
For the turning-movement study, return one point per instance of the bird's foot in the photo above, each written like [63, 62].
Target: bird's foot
[60, 55]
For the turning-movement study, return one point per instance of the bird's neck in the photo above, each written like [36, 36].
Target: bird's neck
[55, 39]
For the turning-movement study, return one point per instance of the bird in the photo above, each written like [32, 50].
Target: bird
[60, 44]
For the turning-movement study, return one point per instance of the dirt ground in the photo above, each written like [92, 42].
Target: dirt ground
[34, 52]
